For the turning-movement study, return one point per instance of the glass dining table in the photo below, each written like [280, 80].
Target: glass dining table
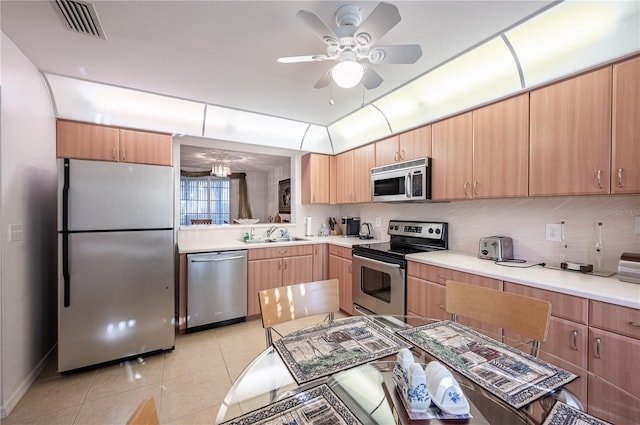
[360, 389]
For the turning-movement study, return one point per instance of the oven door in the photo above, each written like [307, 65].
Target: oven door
[379, 285]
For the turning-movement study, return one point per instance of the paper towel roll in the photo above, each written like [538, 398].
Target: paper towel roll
[307, 224]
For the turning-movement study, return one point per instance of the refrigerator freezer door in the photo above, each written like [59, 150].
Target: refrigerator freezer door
[115, 195]
[121, 296]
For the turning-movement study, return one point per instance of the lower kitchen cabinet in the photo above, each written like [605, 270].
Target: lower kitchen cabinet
[340, 268]
[426, 280]
[274, 267]
[320, 261]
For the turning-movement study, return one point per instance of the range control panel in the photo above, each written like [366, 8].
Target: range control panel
[418, 229]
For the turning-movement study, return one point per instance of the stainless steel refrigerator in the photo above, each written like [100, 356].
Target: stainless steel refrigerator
[116, 261]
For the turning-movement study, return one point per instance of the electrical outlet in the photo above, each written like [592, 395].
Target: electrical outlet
[377, 221]
[552, 232]
[16, 232]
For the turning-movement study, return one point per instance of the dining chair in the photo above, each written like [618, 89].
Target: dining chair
[145, 414]
[293, 302]
[200, 221]
[523, 315]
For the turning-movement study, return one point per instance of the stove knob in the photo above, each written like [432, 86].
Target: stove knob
[437, 231]
[430, 230]
[396, 227]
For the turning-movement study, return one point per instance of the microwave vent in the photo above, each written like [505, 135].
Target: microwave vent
[79, 16]
[421, 162]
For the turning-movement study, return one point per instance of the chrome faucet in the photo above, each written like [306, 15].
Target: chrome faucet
[270, 231]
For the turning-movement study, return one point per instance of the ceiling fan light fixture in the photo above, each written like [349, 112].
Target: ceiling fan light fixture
[347, 74]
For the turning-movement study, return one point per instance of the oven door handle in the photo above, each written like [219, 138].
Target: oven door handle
[382, 263]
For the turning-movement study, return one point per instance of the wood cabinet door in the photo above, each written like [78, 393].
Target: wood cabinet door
[571, 136]
[415, 143]
[427, 299]
[320, 261]
[340, 268]
[315, 178]
[86, 141]
[146, 148]
[386, 151]
[363, 160]
[297, 270]
[612, 360]
[452, 155]
[625, 148]
[344, 178]
[501, 149]
[261, 274]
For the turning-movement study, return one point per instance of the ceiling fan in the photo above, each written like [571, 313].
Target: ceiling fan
[355, 41]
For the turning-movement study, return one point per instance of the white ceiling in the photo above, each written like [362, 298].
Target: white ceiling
[224, 52]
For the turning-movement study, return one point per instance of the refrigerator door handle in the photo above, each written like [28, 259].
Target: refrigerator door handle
[65, 235]
[65, 270]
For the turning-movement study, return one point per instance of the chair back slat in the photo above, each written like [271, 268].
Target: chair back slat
[523, 315]
[146, 414]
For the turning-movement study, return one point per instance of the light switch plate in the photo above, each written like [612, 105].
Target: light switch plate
[377, 221]
[16, 232]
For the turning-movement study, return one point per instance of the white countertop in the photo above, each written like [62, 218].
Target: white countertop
[605, 289]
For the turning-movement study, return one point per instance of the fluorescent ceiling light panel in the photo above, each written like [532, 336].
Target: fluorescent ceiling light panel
[248, 127]
[104, 104]
[366, 124]
[317, 140]
[574, 36]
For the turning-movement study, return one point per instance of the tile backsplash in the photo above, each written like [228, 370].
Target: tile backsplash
[524, 220]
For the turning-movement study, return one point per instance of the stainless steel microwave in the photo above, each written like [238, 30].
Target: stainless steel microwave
[402, 182]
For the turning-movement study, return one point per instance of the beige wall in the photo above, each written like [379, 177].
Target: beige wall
[28, 186]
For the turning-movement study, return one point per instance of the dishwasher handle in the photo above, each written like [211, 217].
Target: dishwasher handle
[212, 260]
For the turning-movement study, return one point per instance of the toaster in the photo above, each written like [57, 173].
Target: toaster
[497, 248]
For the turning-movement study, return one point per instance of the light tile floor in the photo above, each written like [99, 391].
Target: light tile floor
[188, 383]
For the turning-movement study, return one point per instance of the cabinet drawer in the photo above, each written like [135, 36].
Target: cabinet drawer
[562, 305]
[340, 251]
[441, 275]
[615, 318]
[280, 251]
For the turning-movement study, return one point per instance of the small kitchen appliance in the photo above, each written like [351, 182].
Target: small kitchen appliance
[629, 267]
[496, 248]
[365, 231]
[402, 182]
[379, 269]
[351, 226]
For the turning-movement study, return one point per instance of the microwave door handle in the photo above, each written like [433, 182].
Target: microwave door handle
[407, 186]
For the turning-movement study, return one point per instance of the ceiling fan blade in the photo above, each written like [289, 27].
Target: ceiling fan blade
[402, 53]
[371, 79]
[324, 81]
[320, 28]
[384, 17]
[296, 59]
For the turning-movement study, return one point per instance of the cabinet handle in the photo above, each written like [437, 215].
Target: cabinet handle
[396, 155]
[113, 152]
[285, 264]
[279, 265]
[599, 179]
[124, 154]
[402, 154]
[635, 324]
[350, 269]
[282, 251]
[619, 177]
[574, 340]
[475, 187]
[441, 306]
[313, 198]
[597, 354]
[466, 184]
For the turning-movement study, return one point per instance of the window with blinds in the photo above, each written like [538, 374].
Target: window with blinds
[204, 198]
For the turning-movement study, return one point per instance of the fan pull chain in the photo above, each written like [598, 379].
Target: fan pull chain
[331, 101]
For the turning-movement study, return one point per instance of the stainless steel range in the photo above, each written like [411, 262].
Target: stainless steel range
[379, 269]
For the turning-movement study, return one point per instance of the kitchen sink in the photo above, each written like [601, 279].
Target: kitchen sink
[273, 240]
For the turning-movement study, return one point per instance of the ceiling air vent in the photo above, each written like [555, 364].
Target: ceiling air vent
[79, 16]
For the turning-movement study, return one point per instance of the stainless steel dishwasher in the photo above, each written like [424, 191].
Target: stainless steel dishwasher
[217, 289]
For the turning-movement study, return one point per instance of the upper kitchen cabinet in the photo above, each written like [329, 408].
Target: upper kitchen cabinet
[96, 142]
[353, 175]
[404, 147]
[570, 136]
[452, 155]
[146, 148]
[625, 151]
[315, 179]
[501, 149]
[86, 141]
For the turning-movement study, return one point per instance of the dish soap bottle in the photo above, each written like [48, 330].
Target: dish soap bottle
[598, 263]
